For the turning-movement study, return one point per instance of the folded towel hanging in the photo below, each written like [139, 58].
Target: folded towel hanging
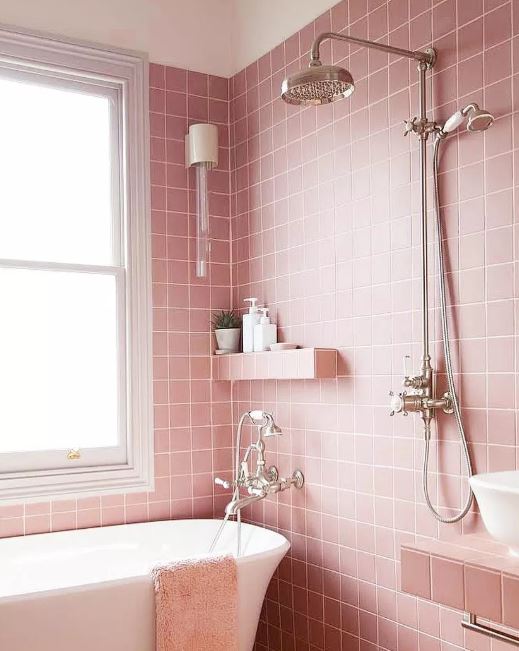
[196, 605]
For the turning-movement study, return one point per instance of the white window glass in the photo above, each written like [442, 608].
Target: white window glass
[55, 171]
[58, 347]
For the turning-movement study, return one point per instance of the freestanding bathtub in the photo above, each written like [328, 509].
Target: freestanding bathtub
[91, 589]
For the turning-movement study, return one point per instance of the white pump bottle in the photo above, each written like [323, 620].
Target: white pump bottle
[265, 332]
[249, 321]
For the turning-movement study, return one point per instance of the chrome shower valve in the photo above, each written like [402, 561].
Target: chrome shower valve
[403, 403]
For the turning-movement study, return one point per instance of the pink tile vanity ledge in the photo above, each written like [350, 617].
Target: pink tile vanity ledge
[470, 572]
[301, 363]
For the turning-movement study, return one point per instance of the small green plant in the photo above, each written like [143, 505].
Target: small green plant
[224, 319]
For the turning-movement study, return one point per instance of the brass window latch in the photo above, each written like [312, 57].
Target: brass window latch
[73, 454]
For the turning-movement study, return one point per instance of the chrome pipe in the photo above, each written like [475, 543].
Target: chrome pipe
[428, 57]
[426, 358]
[470, 622]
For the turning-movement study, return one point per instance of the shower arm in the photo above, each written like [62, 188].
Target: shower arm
[428, 56]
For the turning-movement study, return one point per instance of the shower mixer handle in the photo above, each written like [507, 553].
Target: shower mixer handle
[396, 403]
[403, 403]
[410, 126]
[412, 381]
[421, 126]
[415, 382]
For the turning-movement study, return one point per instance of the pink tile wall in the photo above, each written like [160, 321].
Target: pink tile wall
[325, 231]
[192, 415]
[470, 572]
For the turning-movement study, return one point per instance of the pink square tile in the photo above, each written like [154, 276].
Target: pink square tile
[483, 592]
[447, 582]
[510, 600]
[416, 572]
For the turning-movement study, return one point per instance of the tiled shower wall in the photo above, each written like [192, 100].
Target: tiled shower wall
[325, 230]
[192, 415]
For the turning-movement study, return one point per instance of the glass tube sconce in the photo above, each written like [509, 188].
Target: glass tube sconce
[202, 153]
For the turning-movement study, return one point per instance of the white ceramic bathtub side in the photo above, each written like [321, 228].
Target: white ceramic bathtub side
[91, 589]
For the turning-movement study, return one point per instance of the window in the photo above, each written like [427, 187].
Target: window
[75, 326]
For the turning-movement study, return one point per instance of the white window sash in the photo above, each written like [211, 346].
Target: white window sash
[20, 462]
[123, 77]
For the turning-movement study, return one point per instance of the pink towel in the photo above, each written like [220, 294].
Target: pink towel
[196, 605]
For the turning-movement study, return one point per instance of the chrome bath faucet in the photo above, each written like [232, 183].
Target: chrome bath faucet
[260, 482]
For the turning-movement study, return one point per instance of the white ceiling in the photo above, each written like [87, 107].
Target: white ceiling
[260, 25]
[215, 36]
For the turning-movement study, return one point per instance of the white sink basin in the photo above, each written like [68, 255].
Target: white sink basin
[497, 494]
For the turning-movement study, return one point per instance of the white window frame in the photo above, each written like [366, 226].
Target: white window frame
[123, 77]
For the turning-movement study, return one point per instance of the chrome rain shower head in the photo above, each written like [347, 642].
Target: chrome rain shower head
[317, 85]
[477, 120]
[325, 84]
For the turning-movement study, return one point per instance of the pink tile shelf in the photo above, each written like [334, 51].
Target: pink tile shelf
[298, 364]
[472, 573]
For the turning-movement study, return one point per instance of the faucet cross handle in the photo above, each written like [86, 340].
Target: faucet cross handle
[397, 403]
[410, 126]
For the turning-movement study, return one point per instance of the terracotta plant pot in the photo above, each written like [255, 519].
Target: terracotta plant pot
[228, 339]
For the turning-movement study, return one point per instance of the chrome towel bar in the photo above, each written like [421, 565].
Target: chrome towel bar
[470, 622]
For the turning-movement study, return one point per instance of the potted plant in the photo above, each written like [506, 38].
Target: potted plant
[227, 328]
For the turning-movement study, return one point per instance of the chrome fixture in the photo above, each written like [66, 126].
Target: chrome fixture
[260, 482]
[477, 120]
[470, 622]
[319, 85]
[324, 84]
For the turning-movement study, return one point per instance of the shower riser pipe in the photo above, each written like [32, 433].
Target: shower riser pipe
[426, 368]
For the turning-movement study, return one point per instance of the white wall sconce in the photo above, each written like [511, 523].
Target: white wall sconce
[202, 153]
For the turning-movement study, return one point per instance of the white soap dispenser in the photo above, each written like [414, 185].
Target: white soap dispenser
[265, 332]
[249, 321]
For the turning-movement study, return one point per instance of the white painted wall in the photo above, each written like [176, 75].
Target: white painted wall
[214, 36]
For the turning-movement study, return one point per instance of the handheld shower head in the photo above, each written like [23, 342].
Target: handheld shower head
[317, 85]
[264, 421]
[477, 120]
[271, 429]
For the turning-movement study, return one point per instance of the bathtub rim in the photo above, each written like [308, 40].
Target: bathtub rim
[279, 550]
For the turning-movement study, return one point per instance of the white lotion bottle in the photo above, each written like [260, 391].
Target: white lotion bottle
[249, 321]
[265, 332]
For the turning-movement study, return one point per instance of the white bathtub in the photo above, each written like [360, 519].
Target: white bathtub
[91, 589]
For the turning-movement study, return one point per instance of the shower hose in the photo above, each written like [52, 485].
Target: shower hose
[447, 355]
